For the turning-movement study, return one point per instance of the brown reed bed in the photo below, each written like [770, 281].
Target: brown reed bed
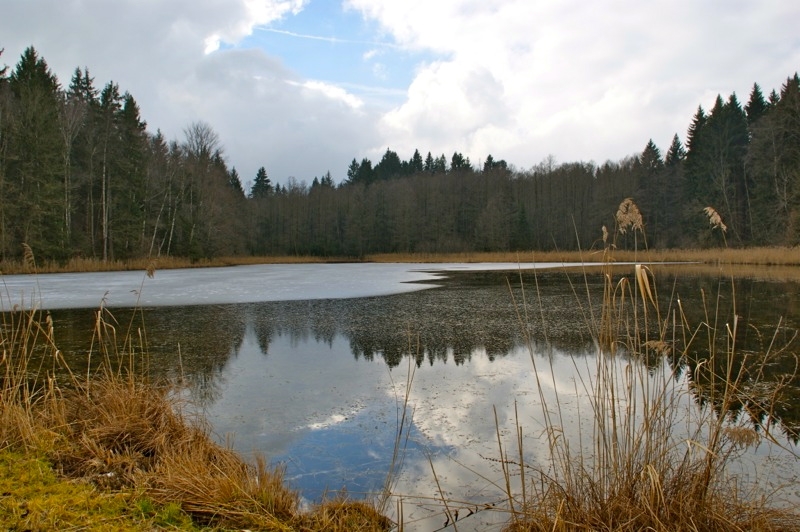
[755, 256]
[80, 265]
[130, 444]
[673, 405]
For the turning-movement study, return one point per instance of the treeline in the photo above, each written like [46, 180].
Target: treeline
[80, 175]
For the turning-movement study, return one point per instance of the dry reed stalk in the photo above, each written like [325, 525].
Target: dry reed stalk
[641, 474]
[404, 421]
[28, 259]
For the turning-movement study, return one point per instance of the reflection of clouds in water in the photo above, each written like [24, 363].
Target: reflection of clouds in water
[271, 401]
[332, 420]
[457, 403]
[454, 408]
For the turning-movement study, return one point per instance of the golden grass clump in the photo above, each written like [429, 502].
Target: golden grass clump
[341, 513]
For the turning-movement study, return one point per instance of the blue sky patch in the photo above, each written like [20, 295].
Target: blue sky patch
[327, 43]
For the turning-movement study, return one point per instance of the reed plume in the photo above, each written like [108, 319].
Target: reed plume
[629, 217]
[715, 220]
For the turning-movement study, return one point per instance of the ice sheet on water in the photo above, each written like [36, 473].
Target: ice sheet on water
[236, 284]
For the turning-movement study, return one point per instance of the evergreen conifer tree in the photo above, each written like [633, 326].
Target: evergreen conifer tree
[756, 106]
[676, 154]
[33, 212]
[235, 182]
[262, 186]
[416, 164]
[429, 165]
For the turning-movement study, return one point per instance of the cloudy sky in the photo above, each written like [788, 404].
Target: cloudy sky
[304, 86]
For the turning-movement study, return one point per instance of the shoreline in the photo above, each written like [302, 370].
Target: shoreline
[760, 256]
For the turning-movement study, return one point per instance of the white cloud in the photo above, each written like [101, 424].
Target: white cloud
[291, 126]
[522, 79]
[256, 13]
[447, 102]
[369, 54]
[333, 92]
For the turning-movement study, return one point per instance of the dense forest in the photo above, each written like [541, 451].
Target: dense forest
[81, 175]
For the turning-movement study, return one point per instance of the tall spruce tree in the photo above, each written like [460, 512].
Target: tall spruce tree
[109, 109]
[676, 153]
[365, 175]
[459, 163]
[673, 196]
[651, 157]
[389, 166]
[352, 172]
[440, 165]
[262, 186]
[128, 190]
[416, 164]
[235, 183]
[327, 180]
[85, 159]
[787, 125]
[756, 106]
[428, 166]
[33, 173]
[5, 133]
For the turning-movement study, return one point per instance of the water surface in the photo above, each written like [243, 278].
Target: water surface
[313, 375]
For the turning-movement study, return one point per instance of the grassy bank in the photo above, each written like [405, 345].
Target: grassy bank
[762, 256]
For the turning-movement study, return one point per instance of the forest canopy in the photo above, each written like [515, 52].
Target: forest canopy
[81, 175]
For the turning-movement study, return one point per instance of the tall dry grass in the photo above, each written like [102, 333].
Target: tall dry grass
[755, 256]
[673, 406]
[114, 428]
[83, 265]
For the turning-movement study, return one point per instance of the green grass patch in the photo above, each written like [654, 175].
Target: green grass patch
[34, 497]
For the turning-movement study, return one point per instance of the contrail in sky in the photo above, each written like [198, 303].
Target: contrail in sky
[328, 39]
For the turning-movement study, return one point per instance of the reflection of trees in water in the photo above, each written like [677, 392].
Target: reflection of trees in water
[767, 325]
[474, 313]
[191, 344]
[433, 324]
[207, 337]
[300, 321]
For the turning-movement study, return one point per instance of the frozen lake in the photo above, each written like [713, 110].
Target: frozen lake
[235, 284]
